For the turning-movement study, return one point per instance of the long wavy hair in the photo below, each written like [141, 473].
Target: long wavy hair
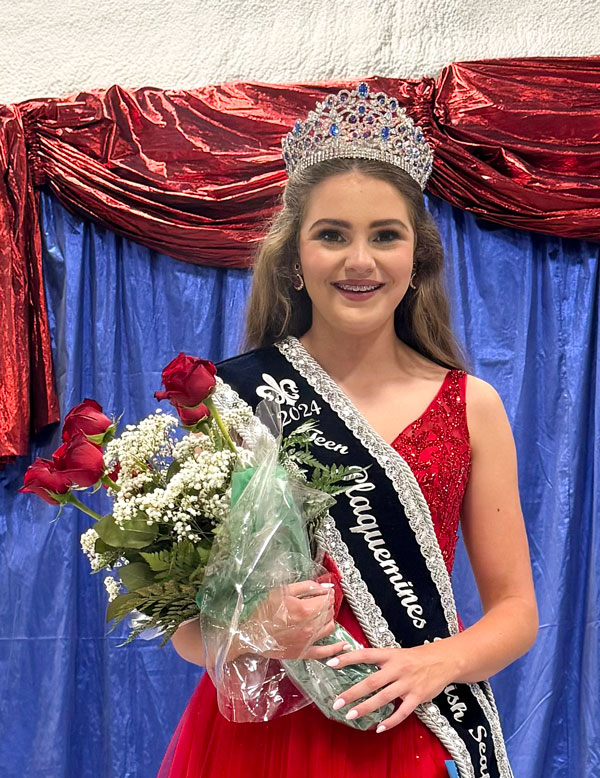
[276, 309]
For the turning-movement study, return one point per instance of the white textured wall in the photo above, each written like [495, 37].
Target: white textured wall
[58, 47]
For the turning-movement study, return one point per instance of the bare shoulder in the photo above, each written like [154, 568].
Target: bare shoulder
[481, 395]
[486, 415]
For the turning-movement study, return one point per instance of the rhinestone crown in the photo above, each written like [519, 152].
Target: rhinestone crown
[359, 124]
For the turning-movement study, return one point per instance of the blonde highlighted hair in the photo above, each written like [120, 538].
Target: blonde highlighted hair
[276, 309]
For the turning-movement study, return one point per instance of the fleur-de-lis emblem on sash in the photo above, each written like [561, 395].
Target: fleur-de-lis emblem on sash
[284, 392]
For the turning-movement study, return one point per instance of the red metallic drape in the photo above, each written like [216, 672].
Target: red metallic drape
[195, 174]
[27, 394]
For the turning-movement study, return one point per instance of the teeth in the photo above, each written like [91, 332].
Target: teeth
[349, 288]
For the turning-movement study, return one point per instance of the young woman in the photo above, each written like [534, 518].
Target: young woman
[348, 323]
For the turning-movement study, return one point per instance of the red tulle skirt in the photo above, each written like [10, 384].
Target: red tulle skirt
[303, 744]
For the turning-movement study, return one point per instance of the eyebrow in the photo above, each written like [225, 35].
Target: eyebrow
[347, 225]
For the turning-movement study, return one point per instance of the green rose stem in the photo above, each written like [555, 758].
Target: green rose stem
[78, 504]
[110, 483]
[215, 414]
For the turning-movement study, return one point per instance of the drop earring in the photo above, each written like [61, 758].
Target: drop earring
[298, 282]
[410, 283]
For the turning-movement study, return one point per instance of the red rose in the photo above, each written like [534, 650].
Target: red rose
[80, 459]
[87, 417]
[191, 416]
[42, 477]
[188, 381]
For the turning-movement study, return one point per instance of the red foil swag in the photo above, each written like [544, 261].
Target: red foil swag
[195, 174]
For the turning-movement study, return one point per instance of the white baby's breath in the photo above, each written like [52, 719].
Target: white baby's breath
[149, 440]
[97, 561]
[87, 541]
[185, 447]
[113, 587]
[199, 488]
[237, 418]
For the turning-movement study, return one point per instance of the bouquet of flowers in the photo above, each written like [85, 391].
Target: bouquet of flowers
[206, 525]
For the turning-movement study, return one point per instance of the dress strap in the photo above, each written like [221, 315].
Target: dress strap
[462, 386]
[461, 401]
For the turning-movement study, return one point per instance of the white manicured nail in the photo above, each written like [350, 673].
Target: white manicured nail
[381, 728]
[327, 585]
[333, 662]
[339, 704]
[346, 647]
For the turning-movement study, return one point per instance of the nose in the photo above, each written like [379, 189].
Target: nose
[360, 258]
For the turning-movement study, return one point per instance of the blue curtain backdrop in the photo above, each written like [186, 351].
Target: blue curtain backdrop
[73, 704]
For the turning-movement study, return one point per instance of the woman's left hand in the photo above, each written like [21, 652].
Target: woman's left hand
[415, 675]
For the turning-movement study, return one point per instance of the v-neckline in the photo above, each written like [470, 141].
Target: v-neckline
[426, 411]
[317, 366]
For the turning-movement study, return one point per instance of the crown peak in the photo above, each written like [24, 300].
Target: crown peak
[357, 123]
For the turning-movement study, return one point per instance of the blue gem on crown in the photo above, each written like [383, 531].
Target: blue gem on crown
[357, 123]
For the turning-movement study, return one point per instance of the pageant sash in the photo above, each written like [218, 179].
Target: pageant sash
[381, 536]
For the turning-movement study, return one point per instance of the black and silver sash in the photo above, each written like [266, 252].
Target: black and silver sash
[381, 536]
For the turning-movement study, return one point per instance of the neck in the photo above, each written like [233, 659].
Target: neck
[357, 359]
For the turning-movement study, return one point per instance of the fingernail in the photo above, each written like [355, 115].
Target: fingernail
[327, 585]
[381, 728]
[333, 662]
[352, 715]
[339, 704]
[346, 647]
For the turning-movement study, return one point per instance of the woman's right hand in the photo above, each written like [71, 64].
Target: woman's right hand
[290, 619]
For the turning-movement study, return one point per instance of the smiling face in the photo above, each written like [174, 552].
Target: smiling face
[356, 233]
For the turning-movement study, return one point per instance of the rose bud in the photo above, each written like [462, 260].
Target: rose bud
[80, 459]
[188, 381]
[191, 416]
[88, 417]
[43, 479]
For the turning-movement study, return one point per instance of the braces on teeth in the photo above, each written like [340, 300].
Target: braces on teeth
[349, 288]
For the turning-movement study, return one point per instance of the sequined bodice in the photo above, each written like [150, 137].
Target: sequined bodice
[436, 447]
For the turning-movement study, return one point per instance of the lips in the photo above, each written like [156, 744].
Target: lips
[357, 291]
[357, 287]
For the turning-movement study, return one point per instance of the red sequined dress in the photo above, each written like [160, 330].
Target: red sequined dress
[306, 744]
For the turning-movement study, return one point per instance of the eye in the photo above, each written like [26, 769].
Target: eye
[392, 235]
[322, 235]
